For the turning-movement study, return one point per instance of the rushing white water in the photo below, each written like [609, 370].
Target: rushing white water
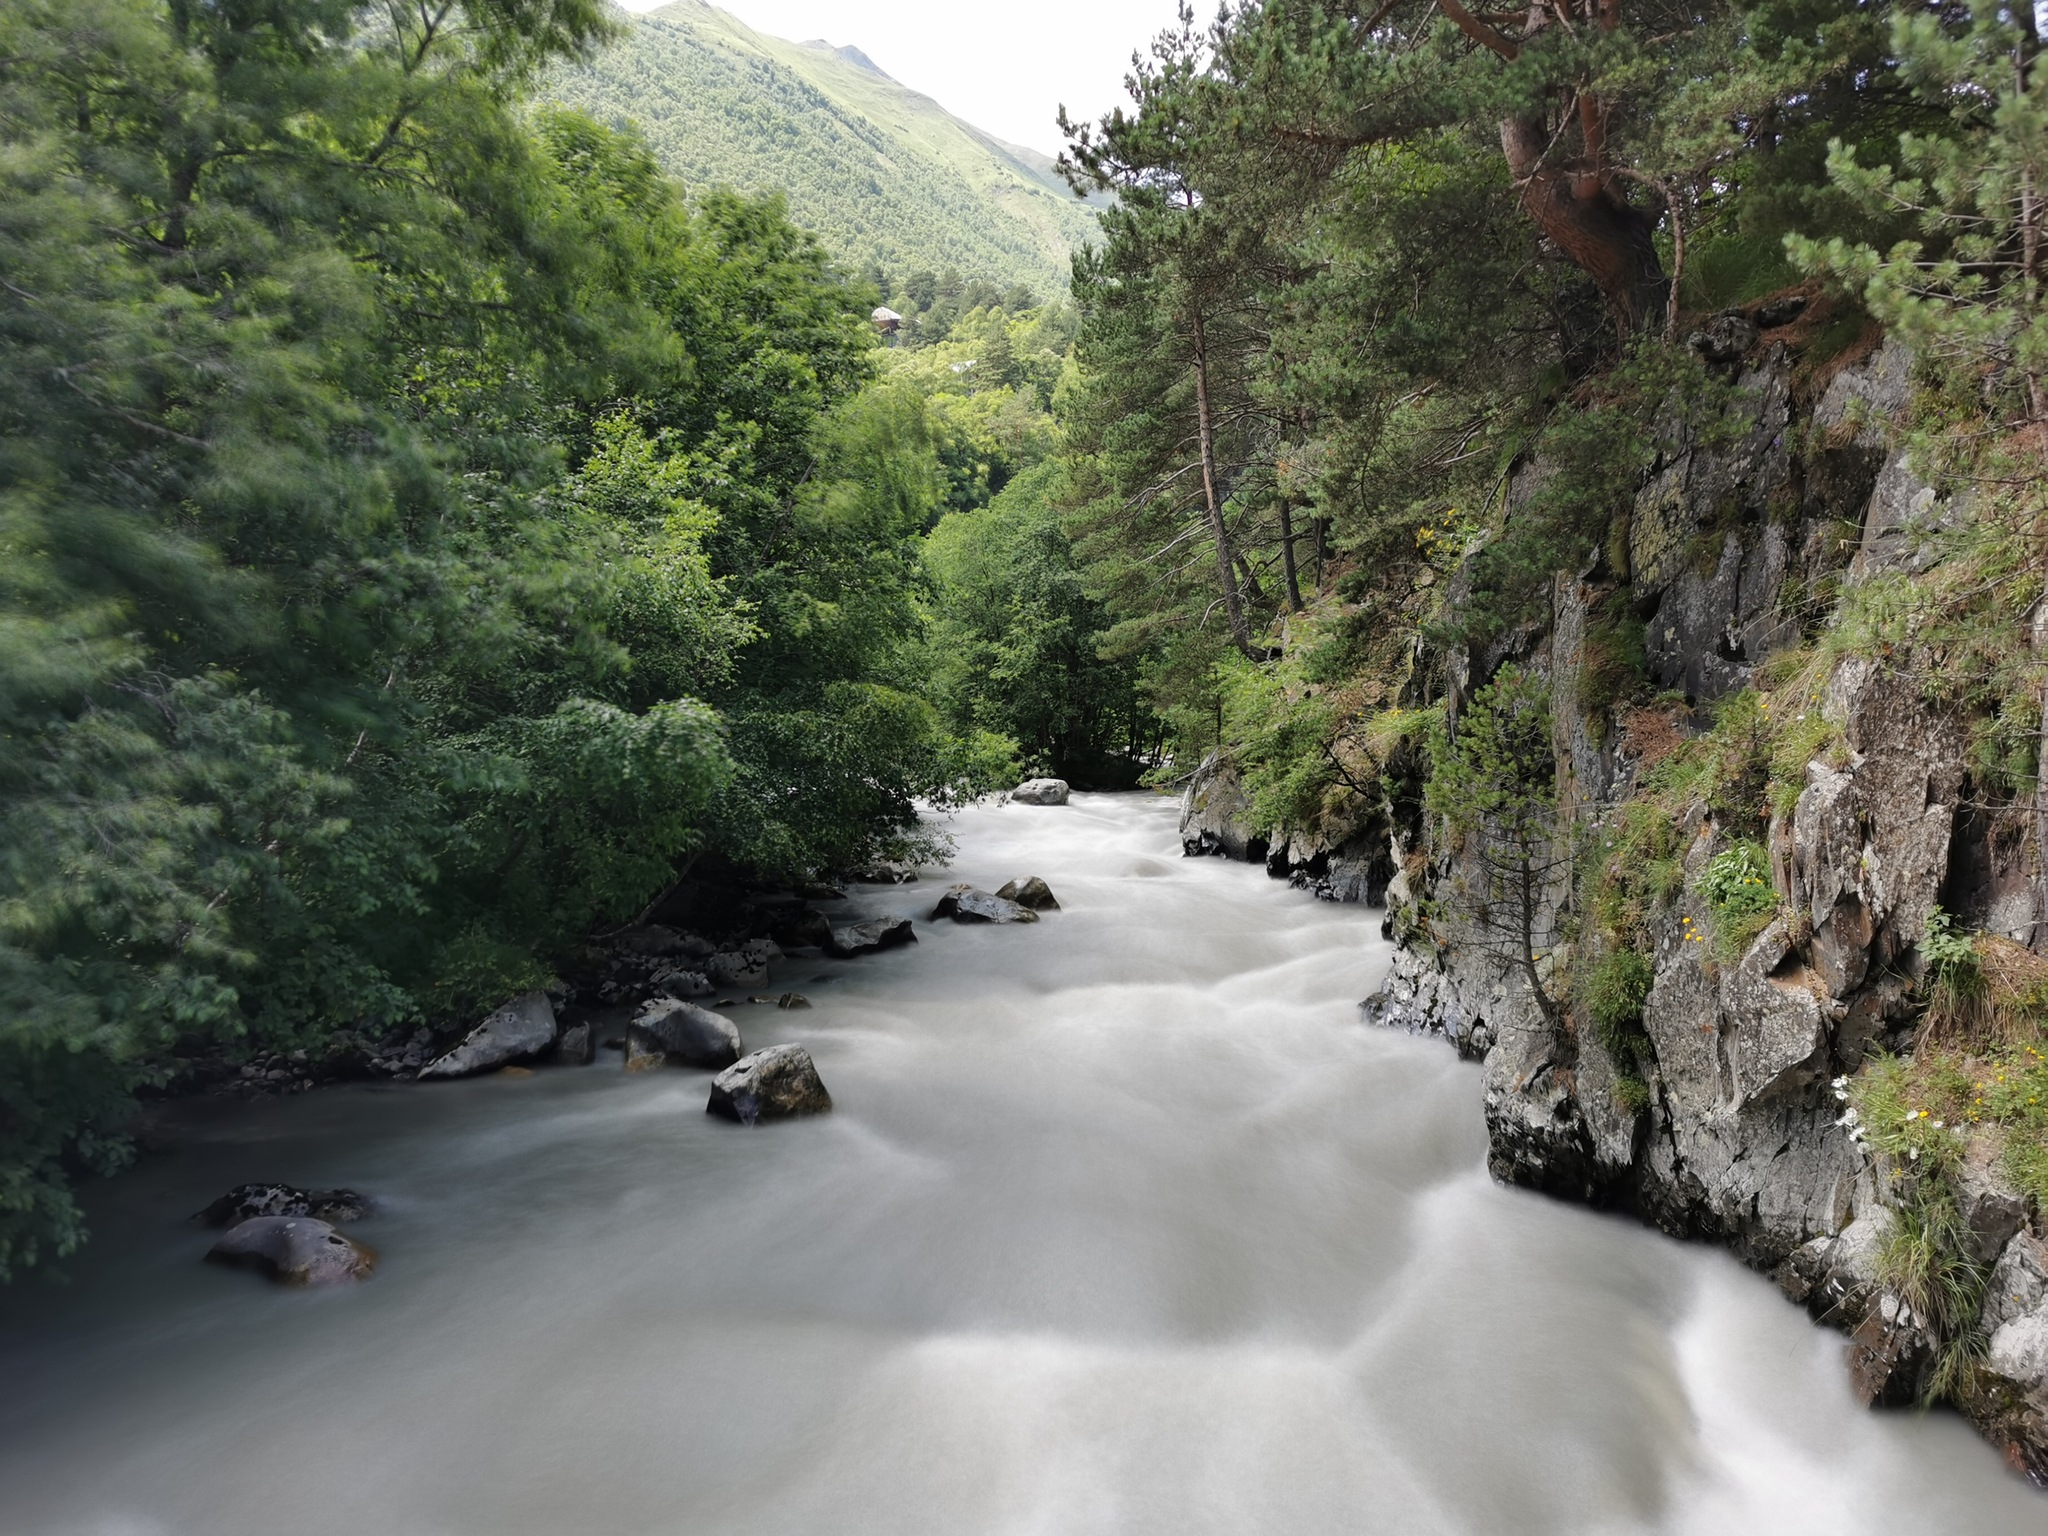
[1124, 1224]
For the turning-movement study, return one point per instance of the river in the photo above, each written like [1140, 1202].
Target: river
[1124, 1224]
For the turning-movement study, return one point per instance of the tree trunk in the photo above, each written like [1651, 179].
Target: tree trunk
[1585, 216]
[1233, 604]
[1287, 557]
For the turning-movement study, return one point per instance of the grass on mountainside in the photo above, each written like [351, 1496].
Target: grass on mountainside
[883, 175]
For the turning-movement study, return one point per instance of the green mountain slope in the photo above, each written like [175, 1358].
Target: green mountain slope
[881, 173]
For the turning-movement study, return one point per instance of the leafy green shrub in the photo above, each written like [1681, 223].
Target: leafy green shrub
[1906, 1110]
[1740, 897]
[1615, 993]
[1738, 882]
[1631, 1094]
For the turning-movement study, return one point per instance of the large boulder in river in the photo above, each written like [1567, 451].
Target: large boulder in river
[778, 1083]
[294, 1250]
[520, 1030]
[1031, 892]
[246, 1201]
[866, 938]
[964, 904]
[666, 1030]
[1040, 792]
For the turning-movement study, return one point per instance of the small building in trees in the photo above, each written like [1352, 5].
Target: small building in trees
[887, 321]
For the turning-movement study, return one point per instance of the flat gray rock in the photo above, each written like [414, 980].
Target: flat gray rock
[520, 1030]
[866, 938]
[778, 1083]
[964, 904]
[294, 1250]
[668, 1031]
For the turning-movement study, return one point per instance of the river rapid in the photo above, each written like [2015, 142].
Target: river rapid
[1124, 1224]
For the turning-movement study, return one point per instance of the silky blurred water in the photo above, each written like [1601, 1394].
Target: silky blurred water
[1124, 1224]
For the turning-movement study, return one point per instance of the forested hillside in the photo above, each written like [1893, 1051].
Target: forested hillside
[884, 176]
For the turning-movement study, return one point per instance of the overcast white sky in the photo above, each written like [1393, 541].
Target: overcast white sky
[1002, 65]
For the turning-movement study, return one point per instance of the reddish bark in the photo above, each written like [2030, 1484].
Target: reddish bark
[1578, 202]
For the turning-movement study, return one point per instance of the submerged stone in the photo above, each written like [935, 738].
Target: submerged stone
[294, 1250]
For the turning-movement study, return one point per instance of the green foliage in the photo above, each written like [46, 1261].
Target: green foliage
[1741, 899]
[1737, 882]
[1015, 646]
[1965, 289]
[1910, 1111]
[1615, 992]
[426, 532]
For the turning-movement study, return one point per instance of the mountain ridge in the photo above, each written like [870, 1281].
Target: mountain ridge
[883, 174]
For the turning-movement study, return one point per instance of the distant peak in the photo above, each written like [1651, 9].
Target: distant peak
[852, 55]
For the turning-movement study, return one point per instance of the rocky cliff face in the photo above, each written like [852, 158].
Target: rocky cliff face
[1730, 1128]
[1216, 820]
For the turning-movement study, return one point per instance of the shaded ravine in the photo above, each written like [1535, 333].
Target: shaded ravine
[1123, 1224]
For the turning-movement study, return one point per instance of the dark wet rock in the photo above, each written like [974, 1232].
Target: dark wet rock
[1725, 338]
[1782, 309]
[870, 937]
[644, 1050]
[651, 939]
[1889, 1354]
[805, 930]
[744, 966]
[883, 874]
[778, 1083]
[679, 981]
[964, 904]
[822, 893]
[792, 1000]
[1030, 892]
[576, 1048]
[1215, 815]
[294, 1250]
[247, 1201]
[1041, 792]
[522, 1029]
[667, 1031]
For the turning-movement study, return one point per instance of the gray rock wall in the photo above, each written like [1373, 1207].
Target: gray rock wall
[1740, 1141]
